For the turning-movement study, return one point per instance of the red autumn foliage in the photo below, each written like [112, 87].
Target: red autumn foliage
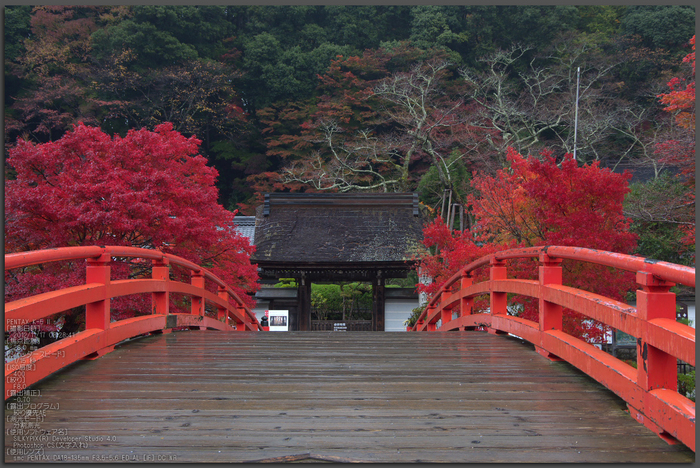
[535, 203]
[681, 153]
[147, 189]
[681, 100]
[57, 63]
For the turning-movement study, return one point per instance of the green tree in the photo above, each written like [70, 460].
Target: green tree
[430, 28]
[274, 73]
[365, 27]
[162, 35]
[17, 30]
[491, 27]
[345, 301]
[660, 26]
[601, 19]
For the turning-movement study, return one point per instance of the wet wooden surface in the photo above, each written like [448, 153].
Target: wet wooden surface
[322, 396]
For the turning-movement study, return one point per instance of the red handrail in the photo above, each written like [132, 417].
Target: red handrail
[100, 334]
[650, 391]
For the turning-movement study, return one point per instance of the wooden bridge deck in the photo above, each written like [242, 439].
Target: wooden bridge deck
[364, 396]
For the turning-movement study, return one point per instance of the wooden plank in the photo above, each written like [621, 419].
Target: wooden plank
[338, 397]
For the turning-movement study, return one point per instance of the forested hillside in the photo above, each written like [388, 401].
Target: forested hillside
[375, 98]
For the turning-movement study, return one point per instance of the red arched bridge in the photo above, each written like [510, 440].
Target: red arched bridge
[100, 334]
[206, 396]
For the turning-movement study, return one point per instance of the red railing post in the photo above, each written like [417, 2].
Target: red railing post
[498, 300]
[161, 300]
[97, 314]
[466, 304]
[549, 273]
[550, 314]
[446, 312]
[241, 326]
[655, 368]
[222, 312]
[197, 280]
[431, 310]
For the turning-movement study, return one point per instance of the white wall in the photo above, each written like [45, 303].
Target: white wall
[396, 311]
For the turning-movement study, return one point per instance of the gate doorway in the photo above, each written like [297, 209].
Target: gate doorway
[336, 238]
[341, 306]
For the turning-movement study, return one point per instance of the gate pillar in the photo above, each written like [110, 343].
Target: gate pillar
[304, 303]
[378, 302]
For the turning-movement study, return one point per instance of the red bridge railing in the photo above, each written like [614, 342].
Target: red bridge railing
[100, 334]
[650, 390]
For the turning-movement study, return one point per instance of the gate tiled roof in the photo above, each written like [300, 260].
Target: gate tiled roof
[338, 229]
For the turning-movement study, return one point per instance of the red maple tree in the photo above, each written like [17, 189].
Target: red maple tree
[149, 189]
[537, 202]
[680, 101]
